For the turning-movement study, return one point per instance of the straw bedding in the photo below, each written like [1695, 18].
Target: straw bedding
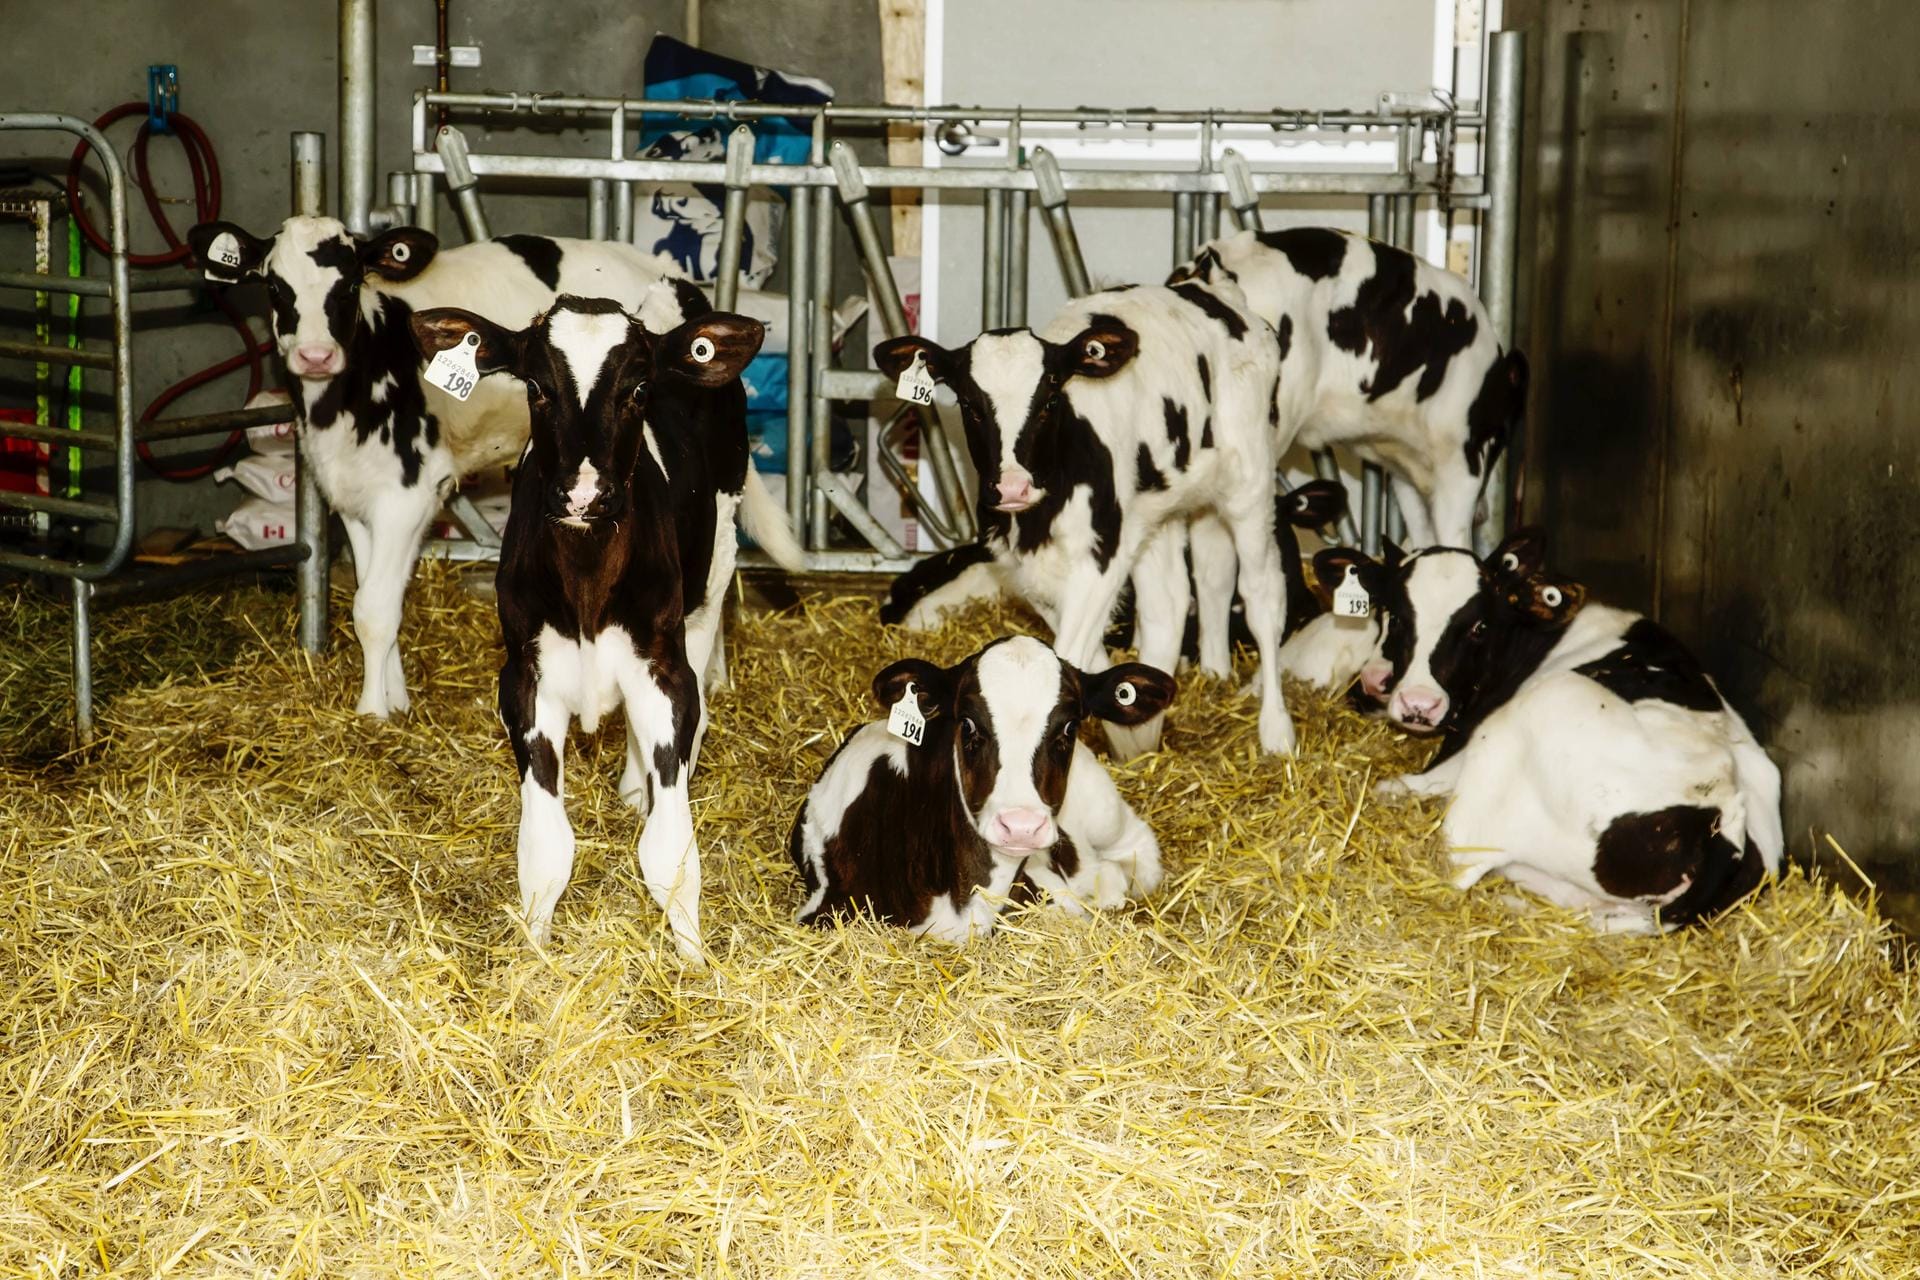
[266, 1012]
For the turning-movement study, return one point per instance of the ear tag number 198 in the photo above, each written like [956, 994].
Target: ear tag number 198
[905, 721]
[1350, 600]
[453, 371]
[916, 384]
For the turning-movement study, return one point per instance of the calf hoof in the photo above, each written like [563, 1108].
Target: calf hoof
[369, 707]
[1276, 732]
[633, 791]
[1392, 790]
[1110, 886]
[540, 932]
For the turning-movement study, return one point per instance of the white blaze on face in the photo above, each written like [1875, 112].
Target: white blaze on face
[1020, 683]
[584, 341]
[1438, 586]
[311, 350]
[1008, 367]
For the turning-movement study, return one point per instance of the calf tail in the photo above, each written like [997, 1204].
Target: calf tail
[765, 521]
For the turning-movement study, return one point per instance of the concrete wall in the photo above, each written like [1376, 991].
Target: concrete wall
[251, 74]
[1721, 315]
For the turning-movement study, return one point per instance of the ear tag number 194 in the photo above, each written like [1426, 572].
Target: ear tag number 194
[905, 721]
[916, 384]
[1350, 600]
[453, 371]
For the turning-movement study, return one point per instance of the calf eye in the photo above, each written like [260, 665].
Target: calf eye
[1479, 629]
[1068, 732]
[539, 392]
[639, 392]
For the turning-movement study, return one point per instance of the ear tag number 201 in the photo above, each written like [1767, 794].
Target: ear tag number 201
[453, 371]
[225, 250]
[905, 722]
[916, 384]
[1350, 600]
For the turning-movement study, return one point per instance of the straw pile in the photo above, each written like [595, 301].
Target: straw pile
[267, 1013]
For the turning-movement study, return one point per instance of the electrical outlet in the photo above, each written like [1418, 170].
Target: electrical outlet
[459, 55]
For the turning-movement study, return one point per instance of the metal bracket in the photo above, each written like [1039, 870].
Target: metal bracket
[1241, 197]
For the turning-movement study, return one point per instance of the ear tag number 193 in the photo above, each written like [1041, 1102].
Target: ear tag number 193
[1350, 600]
[453, 371]
[916, 384]
[905, 721]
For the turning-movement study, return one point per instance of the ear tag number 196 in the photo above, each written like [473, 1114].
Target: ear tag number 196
[1350, 600]
[453, 371]
[905, 721]
[916, 384]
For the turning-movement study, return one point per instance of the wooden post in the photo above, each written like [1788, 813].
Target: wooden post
[903, 44]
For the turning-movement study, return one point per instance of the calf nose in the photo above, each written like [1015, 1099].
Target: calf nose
[1021, 829]
[313, 360]
[1374, 677]
[1418, 707]
[1015, 490]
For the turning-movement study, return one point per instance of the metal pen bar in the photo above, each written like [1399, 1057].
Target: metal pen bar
[1242, 196]
[1018, 226]
[800, 342]
[848, 504]
[309, 507]
[622, 192]
[1500, 251]
[426, 203]
[208, 424]
[86, 357]
[820, 427]
[1402, 208]
[163, 581]
[993, 259]
[1292, 118]
[733, 218]
[102, 440]
[1052, 189]
[596, 208]
[452, 148]
[1183, 211]
[1373, 481]
[81, 508]
[100, 286]
[83, 659]
[357, 81]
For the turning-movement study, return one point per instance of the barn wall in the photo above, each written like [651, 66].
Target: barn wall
[1721, 307]
[252, 74]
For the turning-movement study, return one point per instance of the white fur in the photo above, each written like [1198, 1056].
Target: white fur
[1328, 651]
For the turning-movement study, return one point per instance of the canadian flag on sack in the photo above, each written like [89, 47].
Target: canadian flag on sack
[270, 475]
[23, 463]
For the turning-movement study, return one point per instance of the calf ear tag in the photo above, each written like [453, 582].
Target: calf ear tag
[453, 370]
[1350, 600]
[225, 250]
[1125, 694]
[701, 350]
[905, 722]
[916, 384]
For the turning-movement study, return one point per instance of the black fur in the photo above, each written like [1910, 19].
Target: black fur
[541, 255]
[1406, 333]
[1315, 252]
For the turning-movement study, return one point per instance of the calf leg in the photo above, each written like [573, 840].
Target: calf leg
[537, 728]
[1264, 588]
[1086, 600]
[1214, 569]
[392, 546]
[1455, 491]
[663, 713]
[1414, 510]
[1162, 592]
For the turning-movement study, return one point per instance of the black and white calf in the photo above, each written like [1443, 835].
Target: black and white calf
[386, 447]
[614, 564]
[933, 835]
[1589, 757]
[1406, 370]
[1099, 438]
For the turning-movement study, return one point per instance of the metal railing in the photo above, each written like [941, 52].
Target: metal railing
[1222, 187]
[103, 575]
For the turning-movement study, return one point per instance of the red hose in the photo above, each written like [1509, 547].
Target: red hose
[205, 168]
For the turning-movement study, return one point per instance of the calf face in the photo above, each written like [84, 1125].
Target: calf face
[1009, 385]
[314, 272]
[588, 367]
[1011, 716]
[1449, 622]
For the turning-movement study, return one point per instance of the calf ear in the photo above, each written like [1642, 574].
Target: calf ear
[1331, 565]
[1101, 350]
[399, 254]
[710, 350]
[931, 685]
[438, 328]
[226, 253]
[894, 355]
[1517, 374]
[1131, 693]
[1552, 601]
[1315, 504]
[1522, 555]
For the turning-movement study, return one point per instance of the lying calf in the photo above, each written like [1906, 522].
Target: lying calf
[978, 778]
[1589, 757]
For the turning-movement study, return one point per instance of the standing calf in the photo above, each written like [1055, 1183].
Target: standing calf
[1405, 367]
[932, 836]
[387, 448]
[1097, 440]
[1588, 757]
[614, 564]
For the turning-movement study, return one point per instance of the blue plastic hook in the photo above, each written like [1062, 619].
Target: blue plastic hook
[163, 95]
